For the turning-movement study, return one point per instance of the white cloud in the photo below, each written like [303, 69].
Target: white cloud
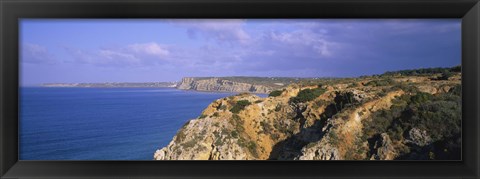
[110, 56]
[282, 46]
[300, 43]
[149, 48]
[34, 53]
[133, 55]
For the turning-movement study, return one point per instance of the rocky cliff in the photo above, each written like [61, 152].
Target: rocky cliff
[222, 85]
[372, 118]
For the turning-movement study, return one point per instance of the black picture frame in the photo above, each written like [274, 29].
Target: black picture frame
[12, 10]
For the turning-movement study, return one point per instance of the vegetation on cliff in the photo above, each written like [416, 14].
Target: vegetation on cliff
[275, 93]
[438, 117]
[307, 95]
[239, 105]
[410, 114]
[425, 71]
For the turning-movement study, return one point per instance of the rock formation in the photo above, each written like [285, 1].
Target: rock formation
[328, 126]
[384, 149]
[222, 85]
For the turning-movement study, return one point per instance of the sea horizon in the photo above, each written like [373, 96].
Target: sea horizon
[104, 123]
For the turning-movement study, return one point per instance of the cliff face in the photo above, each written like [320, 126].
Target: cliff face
[219, 134]
[344, 130]
[345, 120]
[217, 84]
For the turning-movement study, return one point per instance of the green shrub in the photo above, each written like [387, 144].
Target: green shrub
[191, 143]
[252, 147]
[310, 145]
[267, 128]
[221, 107]
[456, 90]
[439, 115]
[439, 118]
[238, 123]
[317, 104]
[405, 87]
[218, 141]
[278, 107]
[241, 142]
[352, 85]
[307, 95]
[445, 75]
[234, 134]
[381, 82]
[421, 97]
[236, 117]
[275, 93]
[202, 116]
[343, 99]
[456, 69]
[423, 71]
[381, 94]
[275, 136]
[333, 138]
[239, 106]
[180, 136]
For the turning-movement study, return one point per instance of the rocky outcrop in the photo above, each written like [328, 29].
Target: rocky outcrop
[418, 137]
[257, 132]
[219, 134]
[384, 149]
[186, 83]
[222, 85]
[344, 132]
[329, 126]
[324, 151]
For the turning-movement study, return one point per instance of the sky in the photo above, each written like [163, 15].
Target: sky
[156, 50]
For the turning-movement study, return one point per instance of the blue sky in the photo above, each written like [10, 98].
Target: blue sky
[136, 50]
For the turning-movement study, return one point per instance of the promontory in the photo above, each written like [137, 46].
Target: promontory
[402, 115]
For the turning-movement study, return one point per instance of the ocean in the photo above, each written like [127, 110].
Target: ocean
[104, 123]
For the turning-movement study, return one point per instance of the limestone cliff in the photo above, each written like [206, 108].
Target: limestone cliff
[222, 85]
[354, 119]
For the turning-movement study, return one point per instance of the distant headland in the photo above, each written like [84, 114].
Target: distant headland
[213, 84]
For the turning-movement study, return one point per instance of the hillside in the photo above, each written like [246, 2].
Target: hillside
[394, 116]
[235, 84]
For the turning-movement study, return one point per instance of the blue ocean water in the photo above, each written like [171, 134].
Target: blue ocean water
[104, 123]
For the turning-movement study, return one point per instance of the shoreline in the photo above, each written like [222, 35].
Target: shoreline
[203, 91]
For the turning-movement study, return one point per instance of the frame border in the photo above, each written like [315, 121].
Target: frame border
[12, 10]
